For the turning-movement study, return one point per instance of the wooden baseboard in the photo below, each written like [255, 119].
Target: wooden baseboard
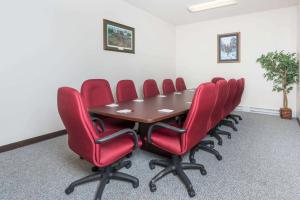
[30, 141]
[298, 120]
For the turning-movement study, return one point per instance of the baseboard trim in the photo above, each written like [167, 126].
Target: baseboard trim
[30, 141]
[265, 111]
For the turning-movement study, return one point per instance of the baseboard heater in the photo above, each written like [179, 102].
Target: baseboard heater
[265, 111]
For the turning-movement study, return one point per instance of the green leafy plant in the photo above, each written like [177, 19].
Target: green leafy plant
[281, 68]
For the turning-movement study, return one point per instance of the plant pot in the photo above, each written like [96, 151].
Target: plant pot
[286, 113]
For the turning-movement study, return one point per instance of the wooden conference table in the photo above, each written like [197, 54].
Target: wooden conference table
[146, 112]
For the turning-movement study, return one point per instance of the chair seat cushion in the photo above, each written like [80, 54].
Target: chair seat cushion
[167, 140]
[115, 149]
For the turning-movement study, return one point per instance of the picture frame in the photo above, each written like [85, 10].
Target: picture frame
[229, 48]
[118, 37]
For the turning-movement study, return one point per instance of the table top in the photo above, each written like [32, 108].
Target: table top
[146, 111]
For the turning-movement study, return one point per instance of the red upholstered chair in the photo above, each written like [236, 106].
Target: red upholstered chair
[126, 91]
[104, 150]
[217, 114]
[180, 84]
[178, 141]
[150, 88]
[237, 99]
[216, 79]
[232, 85]
[168, 86]
[97, 92]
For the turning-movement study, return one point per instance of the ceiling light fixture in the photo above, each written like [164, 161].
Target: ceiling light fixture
[211, 5]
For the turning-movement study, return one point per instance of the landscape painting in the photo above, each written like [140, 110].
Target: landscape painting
[118, 37]
[229, 48]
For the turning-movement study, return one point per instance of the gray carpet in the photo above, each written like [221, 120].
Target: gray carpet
[261, 161]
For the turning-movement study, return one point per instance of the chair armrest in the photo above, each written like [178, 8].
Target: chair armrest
[163, 125]
[98, 121]
[119, 133]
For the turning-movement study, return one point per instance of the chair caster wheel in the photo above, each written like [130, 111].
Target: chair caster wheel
[229, 136]
[152, 187]
[128, 165]
[203, 172]
[151, 165]
[220, 143]
[69, 190]
[191, 192]
[211, 146]
[174, 173]
[219, 157]
[135, 185]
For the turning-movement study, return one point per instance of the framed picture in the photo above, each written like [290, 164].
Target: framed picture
[229, 48]
[118, 37]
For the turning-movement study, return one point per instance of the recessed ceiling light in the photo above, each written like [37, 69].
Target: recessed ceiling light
[211, 5]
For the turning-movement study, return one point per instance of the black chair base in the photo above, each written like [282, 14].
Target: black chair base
[216, 134]
[207, 146]
[228, 123]
[104, 175]
[236, 116]
[175, 166]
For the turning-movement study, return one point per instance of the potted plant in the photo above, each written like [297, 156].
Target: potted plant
[281, 68]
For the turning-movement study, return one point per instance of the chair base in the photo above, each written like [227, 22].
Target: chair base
[228, 123]
[104, 175]
[216, 134]
[177, 167]
[207, 146]
[236, 116]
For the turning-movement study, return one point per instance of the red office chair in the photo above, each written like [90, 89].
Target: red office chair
[208, 145]
[104, 150]
[237, 99]
[180, 84]
[168, 86]
[126, 91]
[216, 79]
[97, 92]
[178, 141]
[150, 88]
[228, 104]
[217, 115]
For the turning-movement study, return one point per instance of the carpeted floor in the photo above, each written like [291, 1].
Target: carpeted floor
[261, 161]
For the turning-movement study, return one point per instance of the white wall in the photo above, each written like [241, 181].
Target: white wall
[52, 43]
[196, 52]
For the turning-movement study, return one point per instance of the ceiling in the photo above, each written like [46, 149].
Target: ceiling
[175, 11]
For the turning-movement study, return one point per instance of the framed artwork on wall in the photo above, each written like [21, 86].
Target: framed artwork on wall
[229, 48]
[118, 37]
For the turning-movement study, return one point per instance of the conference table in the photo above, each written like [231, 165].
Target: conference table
[149, 111]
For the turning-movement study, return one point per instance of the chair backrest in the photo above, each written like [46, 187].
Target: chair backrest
[168, 86]
[199, 115]
[126, 91]
[232, 85]
[81, 133]
[96, 92]
[241, 83]
[150, 88]
[221, 100]
[180, 84]
[216, 79]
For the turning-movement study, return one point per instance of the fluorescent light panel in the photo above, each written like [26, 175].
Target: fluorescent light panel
[211, 5]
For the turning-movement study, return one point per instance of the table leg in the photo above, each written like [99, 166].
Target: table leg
[143, 130]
